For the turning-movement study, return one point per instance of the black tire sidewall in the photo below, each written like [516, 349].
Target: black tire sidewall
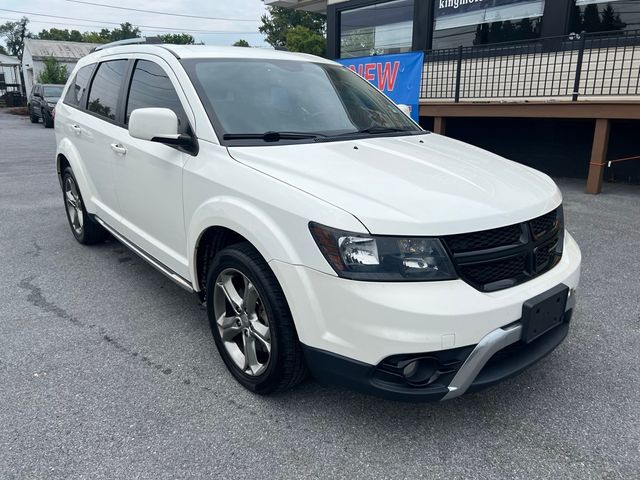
[237, 259]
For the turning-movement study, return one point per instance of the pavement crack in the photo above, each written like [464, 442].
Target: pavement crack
[37, 299]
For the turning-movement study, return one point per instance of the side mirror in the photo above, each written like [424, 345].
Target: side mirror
[37, 95]
[159, 125]
[406, 109]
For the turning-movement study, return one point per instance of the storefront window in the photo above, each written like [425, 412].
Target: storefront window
[377, 29]
[478, 22]
[605, 16]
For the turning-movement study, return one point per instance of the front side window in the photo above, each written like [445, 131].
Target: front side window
[377, 29]
[78, 86]
[260, 96]
[459, 23]
[605, 16]
[105, 88]
[151, 87]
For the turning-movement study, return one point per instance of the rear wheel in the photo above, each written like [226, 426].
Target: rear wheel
[251, 322]
[84, 228]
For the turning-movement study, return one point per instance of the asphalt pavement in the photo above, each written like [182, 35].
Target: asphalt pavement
[109, 370]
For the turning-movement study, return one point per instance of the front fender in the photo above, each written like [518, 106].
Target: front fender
[246, 219]
[69, 151]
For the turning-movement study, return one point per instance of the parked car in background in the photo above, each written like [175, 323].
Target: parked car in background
[42, 103]
[322, 227]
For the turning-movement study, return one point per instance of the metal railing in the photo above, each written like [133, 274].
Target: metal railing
[562, 68]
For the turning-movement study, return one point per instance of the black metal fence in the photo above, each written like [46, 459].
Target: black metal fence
[566, 68]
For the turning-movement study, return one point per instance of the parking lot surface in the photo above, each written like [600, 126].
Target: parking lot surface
[109, 370]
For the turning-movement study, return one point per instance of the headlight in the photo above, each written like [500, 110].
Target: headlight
[382, 258]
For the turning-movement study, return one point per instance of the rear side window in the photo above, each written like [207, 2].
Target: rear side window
[105, 88]
[78, 86]
[151, 87]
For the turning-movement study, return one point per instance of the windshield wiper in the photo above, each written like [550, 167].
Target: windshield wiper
[272, 136]
[377, 129]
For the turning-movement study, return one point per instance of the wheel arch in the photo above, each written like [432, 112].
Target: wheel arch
[221, 222]
[69, 156]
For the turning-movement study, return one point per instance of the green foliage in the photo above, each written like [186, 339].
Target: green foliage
[302, 39]
[14, 34]
[3, 50]
[277, 23]
[241, 43]
[59, 34]
[53, 72]
[177, 38]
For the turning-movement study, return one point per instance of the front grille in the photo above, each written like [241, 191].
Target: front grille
[504, 257]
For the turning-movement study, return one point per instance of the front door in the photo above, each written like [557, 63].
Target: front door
[148, 177]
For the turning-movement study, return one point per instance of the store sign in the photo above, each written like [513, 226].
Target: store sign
[453, 7]
[398, 76]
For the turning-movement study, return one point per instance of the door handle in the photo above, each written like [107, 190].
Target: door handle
[76, 129]
[119, 149]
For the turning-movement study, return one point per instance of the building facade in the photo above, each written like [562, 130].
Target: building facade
[36, 51]
[551, 83]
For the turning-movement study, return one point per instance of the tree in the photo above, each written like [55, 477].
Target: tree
[177, 38]
[14, 34]
[58, 34]
[302, 39]
[53, 72]
[125, 32]
[241, 43]
[3, 50]
[278, 21]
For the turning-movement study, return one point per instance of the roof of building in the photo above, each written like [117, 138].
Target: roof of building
[69, 51]
[7, 60]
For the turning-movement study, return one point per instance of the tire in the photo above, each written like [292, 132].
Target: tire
[47, 121]
[32, 117]
[84, 228]
[267, 319]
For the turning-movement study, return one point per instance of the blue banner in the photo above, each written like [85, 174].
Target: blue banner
[397, 75]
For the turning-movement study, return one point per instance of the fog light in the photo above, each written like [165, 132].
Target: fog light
[421, 371]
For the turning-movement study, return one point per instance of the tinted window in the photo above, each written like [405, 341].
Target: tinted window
[78, 86]
[377, 29]
[478, 23]
[597, 16]
[151, 87]
[103, 96]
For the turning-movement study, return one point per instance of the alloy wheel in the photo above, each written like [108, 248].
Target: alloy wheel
[242, 322]
[74, 205]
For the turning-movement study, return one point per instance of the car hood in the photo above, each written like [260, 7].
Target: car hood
[410, 185]
[52, 99]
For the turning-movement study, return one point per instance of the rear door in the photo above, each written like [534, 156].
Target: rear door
[149, 176]
[100, 130]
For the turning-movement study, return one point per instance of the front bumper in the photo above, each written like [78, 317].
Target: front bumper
[350, 328]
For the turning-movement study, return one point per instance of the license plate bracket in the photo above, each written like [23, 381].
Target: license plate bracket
[543, 312]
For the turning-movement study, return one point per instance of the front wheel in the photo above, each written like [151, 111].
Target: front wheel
[251, 322]
[47, 120]
[32, 116]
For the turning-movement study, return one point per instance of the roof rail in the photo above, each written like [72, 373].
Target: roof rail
[128, 41]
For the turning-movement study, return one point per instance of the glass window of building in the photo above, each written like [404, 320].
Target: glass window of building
[377, 29]
[605, 16]
[479, 22]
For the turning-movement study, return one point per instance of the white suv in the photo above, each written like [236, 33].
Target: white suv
[324, 229]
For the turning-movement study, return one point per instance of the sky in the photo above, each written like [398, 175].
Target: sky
[244, 17]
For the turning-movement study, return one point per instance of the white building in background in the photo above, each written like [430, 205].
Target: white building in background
[35, 51]
[9, 71]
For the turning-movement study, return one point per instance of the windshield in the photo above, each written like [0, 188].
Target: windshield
[55, 91]
[248, 98]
